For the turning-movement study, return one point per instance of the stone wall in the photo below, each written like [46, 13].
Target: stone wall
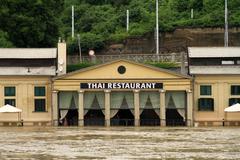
[175, 41]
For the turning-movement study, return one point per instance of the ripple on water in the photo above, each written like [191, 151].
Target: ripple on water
[119, 143]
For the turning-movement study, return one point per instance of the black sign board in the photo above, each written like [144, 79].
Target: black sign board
[121, 85]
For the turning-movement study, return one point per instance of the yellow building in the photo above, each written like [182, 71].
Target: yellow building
[26, 82]
[120, 92]
[216, 74]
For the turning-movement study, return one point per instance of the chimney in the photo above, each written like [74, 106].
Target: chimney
[62, 57]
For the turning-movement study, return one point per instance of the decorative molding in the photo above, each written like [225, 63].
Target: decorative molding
[162, 90]
[136, 90]
[80, 91]
[107, 91]
[55, 91]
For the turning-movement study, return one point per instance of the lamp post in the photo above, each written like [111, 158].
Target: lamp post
[72, 21]
[79, 47]
[157, 32]
[226, 25]
[127, 21]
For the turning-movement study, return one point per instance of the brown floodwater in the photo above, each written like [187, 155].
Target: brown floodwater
[117, 143]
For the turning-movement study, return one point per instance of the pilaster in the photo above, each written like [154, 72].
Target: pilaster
[162, 108]
[107, 107]
[136, 108]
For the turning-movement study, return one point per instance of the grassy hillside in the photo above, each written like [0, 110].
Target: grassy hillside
[39, 23]
[101, 21]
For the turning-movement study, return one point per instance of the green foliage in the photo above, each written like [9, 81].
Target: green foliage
[74, 67]
[87, 41]
[165, 65]
[32, 23]
[4, 40]
[106, 19]
[39, 23]
[118, 37]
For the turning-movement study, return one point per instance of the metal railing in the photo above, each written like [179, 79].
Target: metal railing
[169, 57]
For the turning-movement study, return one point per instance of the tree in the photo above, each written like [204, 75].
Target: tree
[31, 23]
[4, 40]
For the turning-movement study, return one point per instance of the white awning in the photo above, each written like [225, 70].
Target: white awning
[233, 108]
[9, 109]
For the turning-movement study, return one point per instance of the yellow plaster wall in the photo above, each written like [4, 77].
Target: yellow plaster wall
[221, 92]
[133, 71]
[25, 97]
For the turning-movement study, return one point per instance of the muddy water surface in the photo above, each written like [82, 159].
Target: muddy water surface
[144, 143]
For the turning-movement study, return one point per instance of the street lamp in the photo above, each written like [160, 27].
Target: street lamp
[157, 32]
[226, 25]
[79, 47]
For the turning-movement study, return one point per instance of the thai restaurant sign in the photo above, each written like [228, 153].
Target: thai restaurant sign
[121, 85]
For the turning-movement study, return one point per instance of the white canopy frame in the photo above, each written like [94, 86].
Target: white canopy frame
[231, 109]
[11, 109]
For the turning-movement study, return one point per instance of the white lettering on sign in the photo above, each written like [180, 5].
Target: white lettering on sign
[121, 85]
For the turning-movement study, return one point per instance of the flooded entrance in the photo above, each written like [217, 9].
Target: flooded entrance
[173, 118]
[149, 118]
[176, 108]
[122, 109]
[94, 114]
[130, 143]
[68, 108]
[71, 118]
[124, 117]
[149, 108]
[94, 117]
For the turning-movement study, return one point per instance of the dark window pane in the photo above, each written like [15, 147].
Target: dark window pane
[39, 105]
[233, 101]
[205, 104]
[206, 90]
[39, 91]
[9, 91]
[11, 102]
[235, 90]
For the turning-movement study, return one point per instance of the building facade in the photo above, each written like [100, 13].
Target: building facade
[26, 82]
[121, 92]
[216, 74]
